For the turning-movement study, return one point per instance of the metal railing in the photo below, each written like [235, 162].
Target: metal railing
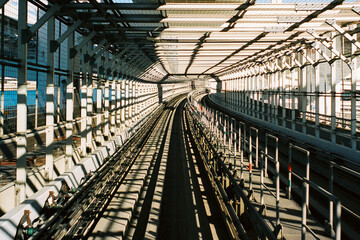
[242, 136]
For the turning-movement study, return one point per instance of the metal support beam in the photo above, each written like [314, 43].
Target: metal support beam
[321, 52]
[92, 52]
[69, 105]
[329, 46]
[120, 54]
[83, 100]
[112, 110]
[115, 6]
[29, 32]
[89, 106]
[106, 47]
[84, 41]
[106, 95]
[54, 45]
[98, 105]
[302, 51]
[49, 165]
[332, 23]
[317, 95]
[355, 78]
[21, 122]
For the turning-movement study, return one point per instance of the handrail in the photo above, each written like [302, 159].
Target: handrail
[237, 190]
[337, 220]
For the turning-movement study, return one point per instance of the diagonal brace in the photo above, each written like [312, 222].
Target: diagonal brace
[29, 32]
[329, 46]
[333, 24]
[85, 40]
[54, 45]
[322, 53]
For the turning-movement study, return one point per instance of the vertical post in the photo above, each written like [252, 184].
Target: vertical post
[262, 97]
[257, 148]
[258, 88]
[49, 163]
[118, 103]
[283, 97]
[224, 130]
[2, 45]
[304, 83]
[333, 93]
[270, 97]
[276, 96]
[235, 142]
[89, 106]
[126, 102]
[113, 94]
[317, 93]
[293, 80]
[277, 179]
[303, 211]
[266, 154]
[21, 122]
[307, 176]
[130, 101]
[331, 190]
[83, 100]
[106, 95]
[69, 105]
[250, 159]
[231, 123]
[262, 180]
[98, 107]
[289, 171]
[123, 96]
[337, 220]
[354, 80]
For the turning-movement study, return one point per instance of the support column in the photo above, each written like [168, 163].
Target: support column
[335, 78]
[317, 94]
[123, 101]
[276, 95]
[131, 100]
[98, 109]
[49, 163]
[21, 122]
[294, 77]
[69, 106]
[89, 106]
[257, 89]
[113, 94]
[271, 97]
[118, 104]
[304, 95]
[106, 95]
[354, 79]
[263, 79]
[83, 99]
[283, 97]
[127, 103]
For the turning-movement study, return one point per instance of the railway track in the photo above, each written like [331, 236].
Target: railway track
[167, 194]
[72, 213]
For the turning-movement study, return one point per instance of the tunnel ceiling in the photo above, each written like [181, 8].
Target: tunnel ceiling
[186, 39]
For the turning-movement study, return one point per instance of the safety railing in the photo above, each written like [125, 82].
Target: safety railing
[291, 172]
[304, 208]
[236, 142]
[263, 170]
[224, 172]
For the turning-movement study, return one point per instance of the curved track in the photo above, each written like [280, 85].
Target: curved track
[154, 187]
